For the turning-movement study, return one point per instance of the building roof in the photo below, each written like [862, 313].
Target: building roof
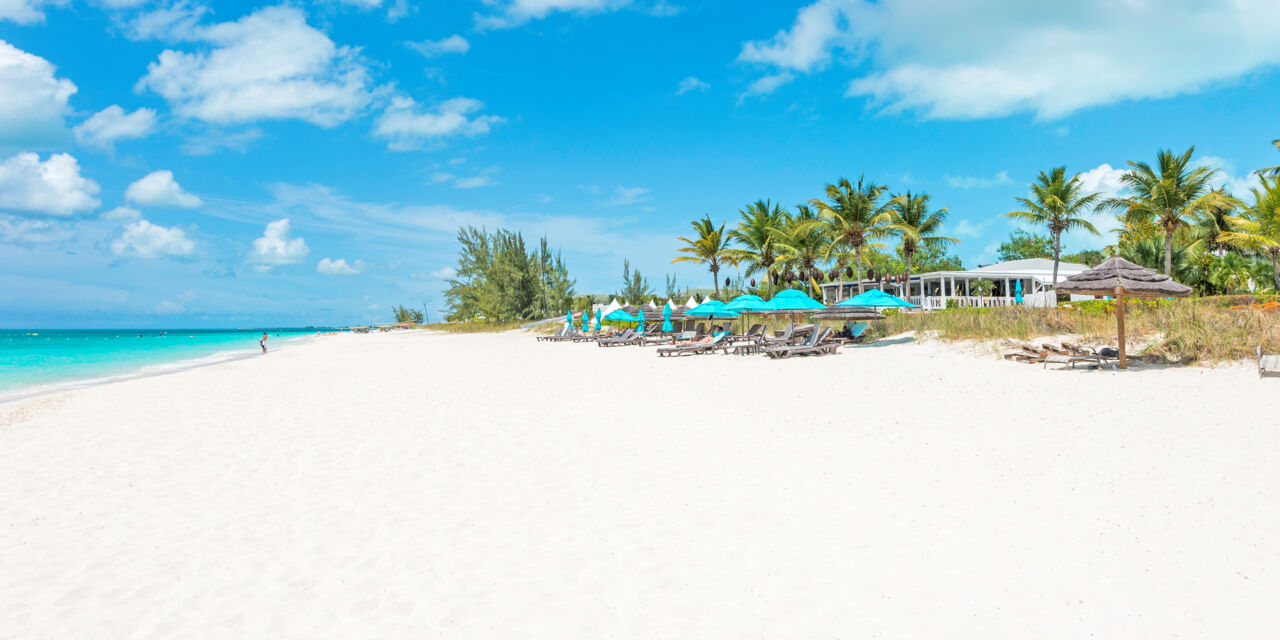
[1040, 269]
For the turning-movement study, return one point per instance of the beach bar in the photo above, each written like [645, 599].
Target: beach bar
[935, 289]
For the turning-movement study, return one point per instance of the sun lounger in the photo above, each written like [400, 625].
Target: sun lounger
[625, 338]
[1089, 356]
[560, 333]
[814, 345]
[1267, 363]
[717, 343]
[784, 337]
[754, 334]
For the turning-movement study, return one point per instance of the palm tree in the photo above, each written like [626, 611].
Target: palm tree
[853, 218]
[756, 234]
[800, 241]
[916, 225]
[1206, 230]
[1258, 227]
[1148, 251]
[1056, 203]
[1168, 197]
[1271, 171]
[709, 248]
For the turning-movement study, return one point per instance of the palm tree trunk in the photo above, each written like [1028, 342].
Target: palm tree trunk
[1168, 253]
[857, 259]
[910, 255]
[1057, 252]
[715, 280]
[1275, 268]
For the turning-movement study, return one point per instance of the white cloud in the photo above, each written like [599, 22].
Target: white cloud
[275, 247]
[339, 267]
[516, 12]
[691, 84]
[122, 214]
[443, 273]
[142, 239]
[168, 307]
[1102, 179]
[405, 127]
[629, 195]
[33, 101]
[159, 189]
[27, 11]
[269, 64]
[805, 46]
[1237, 185]
[974, 182]
[105, 127]
[213, 141]
[179, 21]
[54, 186]
[473, 182]
[966, 229]
[990, 58]
[432, 48]
[14, 230]
[766, 85]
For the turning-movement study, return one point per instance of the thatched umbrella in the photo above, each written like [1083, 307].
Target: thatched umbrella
[1123, 279]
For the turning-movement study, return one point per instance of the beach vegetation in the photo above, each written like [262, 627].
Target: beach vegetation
[635, 288]
[500, 280]
[406, 314]
[854, 217]
[916, 226]
[756, 235]
[1024, 244]
[1257, 227]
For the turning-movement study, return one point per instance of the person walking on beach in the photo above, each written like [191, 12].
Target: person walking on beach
[263, 342]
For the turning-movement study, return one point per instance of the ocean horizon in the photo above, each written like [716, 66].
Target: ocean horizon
[34, 361]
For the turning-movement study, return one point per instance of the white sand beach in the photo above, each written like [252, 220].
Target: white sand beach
[420, 485]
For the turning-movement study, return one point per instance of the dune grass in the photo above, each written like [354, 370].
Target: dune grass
[478, 326]
[1198, 330]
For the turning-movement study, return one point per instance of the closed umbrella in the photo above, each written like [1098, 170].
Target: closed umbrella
[640, 326]
[1017, 291]
[586, 321]
[598, 319]
[666, 318]
[568, 319]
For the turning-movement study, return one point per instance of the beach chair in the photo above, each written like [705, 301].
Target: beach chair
[753, 334]
[784, 337]
[813, 345]
[609, 342]
[717, 343]
[1267, 363]
[571, 334]
[558, 335]
[1093, 358]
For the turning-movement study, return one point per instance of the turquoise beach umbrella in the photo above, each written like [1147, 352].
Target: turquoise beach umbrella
[666, 320]
[568, 318]
[746, 304]
[618, 315]
[875, 298]
[586, 321]
[640, 326]
[711, 309]
[597, 319]
[794, 300]
[1017, 291]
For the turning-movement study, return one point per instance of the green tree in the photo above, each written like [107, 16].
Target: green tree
[1057, 203]
[635, 288]
[673, 287]
[1023, 244]
[756, 235]
[499, 279]
[853, 218]
[1257, 228]
[916, 226]
[1271, 171]
[405, 314]
[1148, 251]
[800, 242]
[1088, 257]
[709, 247]
[1168, 196]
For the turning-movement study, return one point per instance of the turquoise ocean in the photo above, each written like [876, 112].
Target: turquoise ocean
[35, 360]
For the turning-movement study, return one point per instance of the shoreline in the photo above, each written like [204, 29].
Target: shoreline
[488, 485]
[23, 392]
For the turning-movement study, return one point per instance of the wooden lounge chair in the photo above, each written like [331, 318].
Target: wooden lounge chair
[756, 332]
[560, 333]
[814, 345]
[607, 342]
[1267, 363]
[1088, 356]
[782, 338]
[717, 343]
[571, 334]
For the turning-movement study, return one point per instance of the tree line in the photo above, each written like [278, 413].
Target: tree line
[1172, 216]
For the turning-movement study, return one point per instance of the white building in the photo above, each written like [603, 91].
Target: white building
[933, 290]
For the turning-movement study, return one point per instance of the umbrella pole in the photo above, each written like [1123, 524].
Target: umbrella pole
[1124, 358]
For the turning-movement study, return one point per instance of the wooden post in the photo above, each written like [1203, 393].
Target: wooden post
[1124, 359]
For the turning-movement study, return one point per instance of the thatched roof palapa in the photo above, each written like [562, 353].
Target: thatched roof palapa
[1119, 277]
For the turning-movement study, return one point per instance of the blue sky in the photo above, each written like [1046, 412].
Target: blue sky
[236, 164]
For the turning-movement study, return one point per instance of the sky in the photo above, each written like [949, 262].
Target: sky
[188, 164]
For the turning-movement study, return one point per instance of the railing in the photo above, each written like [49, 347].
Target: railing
[940, 302]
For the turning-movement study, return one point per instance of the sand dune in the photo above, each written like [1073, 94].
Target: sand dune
[417, 485]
